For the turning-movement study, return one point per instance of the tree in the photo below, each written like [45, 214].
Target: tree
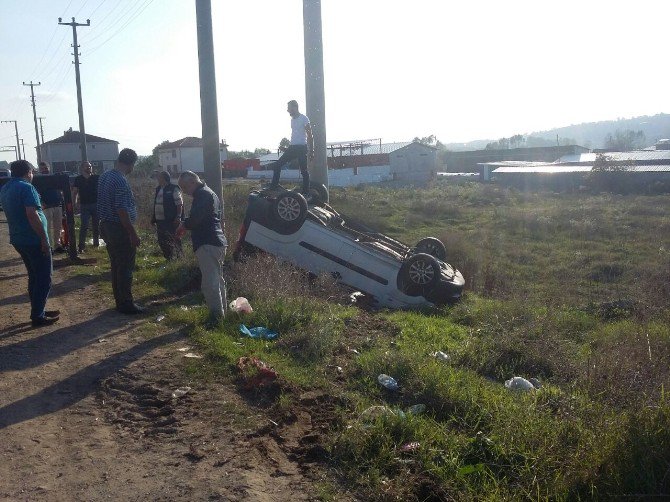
[517, 140]
[146, 164]
[284, 144]
[623, 141]
[261, 151]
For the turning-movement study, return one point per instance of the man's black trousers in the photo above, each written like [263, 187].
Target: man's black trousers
[292, 152]
[122, 258]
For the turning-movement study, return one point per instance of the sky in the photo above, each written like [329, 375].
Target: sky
[394, 69]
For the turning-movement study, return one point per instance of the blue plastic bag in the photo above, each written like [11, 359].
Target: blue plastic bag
[259, 332]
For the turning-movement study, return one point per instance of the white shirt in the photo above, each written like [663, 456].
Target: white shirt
[298, 133]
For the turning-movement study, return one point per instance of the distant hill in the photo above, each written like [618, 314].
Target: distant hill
[588, 134]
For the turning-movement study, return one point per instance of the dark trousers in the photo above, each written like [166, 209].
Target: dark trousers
[89, 212]
[169, 244]
[122, 258]
[39, 267]
[292, 152]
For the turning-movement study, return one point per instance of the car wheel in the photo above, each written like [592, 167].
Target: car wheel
[419, 274]
[289, 211]
[433, 247]
[319, 193]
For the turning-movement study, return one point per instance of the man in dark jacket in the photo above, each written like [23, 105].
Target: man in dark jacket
[209, 242]
[52, 206]
[167, 214]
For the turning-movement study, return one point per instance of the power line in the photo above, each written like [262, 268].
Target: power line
[118, 19]
[96, 9]
[80, 8]
[149, 2]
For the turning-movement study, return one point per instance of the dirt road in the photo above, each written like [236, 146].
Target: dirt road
[86, 411]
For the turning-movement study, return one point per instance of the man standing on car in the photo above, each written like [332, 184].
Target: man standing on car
[302, 146]
[117, 212]
[86, 188]
[52, 205]
[28, 235]
[167, 214]
[209, 242]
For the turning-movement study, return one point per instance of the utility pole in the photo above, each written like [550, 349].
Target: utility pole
[41, 128]
[314, 86]
[23, 147]
[16, 130]
[82, 130]
[209, 115]
[37, 136]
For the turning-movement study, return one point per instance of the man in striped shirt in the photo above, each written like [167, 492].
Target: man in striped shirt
[117, 213]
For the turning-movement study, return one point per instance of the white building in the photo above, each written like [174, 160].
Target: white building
[64, 153]
[186, 155]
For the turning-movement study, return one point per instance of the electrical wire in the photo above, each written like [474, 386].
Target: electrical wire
[138, 13]
[119, 19]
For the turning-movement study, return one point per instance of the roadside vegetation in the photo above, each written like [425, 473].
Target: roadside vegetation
[571, 289]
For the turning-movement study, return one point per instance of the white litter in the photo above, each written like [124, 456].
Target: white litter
[191, 355]
[441, 356]
[184, 349]
[180, 392]
[519, 383]
[160, 318]
[241, 305]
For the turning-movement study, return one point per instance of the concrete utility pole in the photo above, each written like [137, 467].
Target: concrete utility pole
[209, 115]
[23, 147]
[41, 128]
[314, 86]
[16, 130]
[82, 129]
[37, 136]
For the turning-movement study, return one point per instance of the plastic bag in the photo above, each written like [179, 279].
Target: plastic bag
[241, 305]
[260, 332]
[387, 382]
[519, 383]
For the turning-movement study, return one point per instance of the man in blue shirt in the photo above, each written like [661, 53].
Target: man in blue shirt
[209, 241]
[28, 235]
[117, 213]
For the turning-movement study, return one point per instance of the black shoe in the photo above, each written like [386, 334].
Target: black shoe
[51, 313]
[131, 309]
[44, 321]
[59, 250]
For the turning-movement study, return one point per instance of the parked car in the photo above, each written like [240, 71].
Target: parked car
[319, 240]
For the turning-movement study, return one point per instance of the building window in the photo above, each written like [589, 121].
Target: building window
[93, 147]
[174, 154]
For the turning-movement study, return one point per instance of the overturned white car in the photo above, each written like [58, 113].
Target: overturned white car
[319, 240]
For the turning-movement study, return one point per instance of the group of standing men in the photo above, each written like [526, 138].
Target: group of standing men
[110, 200]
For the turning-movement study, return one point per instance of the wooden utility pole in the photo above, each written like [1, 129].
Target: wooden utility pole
[314, 86]
[16, 130]
[82, 129]
[209, 115]
[37, 136]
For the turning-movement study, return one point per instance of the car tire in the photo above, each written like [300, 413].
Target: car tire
[433, 247]
[419, 274]
[319, 193]
[289, 211]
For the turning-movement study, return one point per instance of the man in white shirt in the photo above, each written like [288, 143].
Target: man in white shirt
[302, 145]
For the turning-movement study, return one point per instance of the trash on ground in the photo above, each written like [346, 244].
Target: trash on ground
[410, 447]
[387, 382]
[536, 383]
[354, 351]
[180, 392]
[160, 318]
[356, 296]
[519, 383]
[256, 372]
[241, 305]
[184, 307]
[441, 356]
[417, 409]
[102, 340]
[101, 243]
[374, 412]
[184, 349]
[260, 332]
[191, 355]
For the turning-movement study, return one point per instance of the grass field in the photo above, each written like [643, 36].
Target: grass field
[571, 289]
